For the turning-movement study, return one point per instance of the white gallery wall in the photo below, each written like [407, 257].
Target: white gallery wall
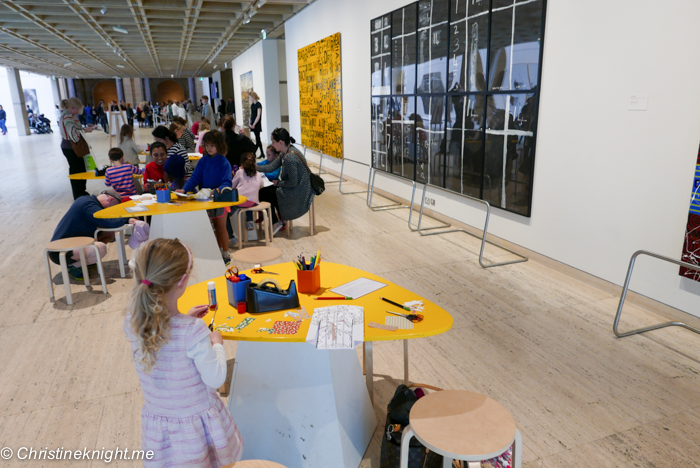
[40, 83]
[608, 181]
[261, 58]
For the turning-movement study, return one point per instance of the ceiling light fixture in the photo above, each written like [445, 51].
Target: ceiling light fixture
[119, 29]
[172, 76]
[103, 10]
[252, 13]
[68, 64]
[261, 3]
[246, 19]
[225, 64]
[215, 65]
[119, 65]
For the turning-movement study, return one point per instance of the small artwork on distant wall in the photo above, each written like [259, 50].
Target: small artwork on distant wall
[31, 100]
[246, 87]
[320, 96]
[691, 243]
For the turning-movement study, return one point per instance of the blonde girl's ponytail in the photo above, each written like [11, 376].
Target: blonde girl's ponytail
[159, 265]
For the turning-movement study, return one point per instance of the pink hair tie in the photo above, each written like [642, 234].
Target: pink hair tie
[146, 282]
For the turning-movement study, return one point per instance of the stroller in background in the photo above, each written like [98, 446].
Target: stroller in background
[40, 124]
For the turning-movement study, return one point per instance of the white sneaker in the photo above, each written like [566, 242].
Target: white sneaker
[232, 243]
[251, 226]
[278, 225]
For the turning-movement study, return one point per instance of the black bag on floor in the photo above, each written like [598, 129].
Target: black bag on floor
[396, 420]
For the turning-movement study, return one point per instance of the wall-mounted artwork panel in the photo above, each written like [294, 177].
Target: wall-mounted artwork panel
[471, 70]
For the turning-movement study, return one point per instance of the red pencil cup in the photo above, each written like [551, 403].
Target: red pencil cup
[241, 306]
[309, 281]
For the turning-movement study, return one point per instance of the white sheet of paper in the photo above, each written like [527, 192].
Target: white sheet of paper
[337, 327]
[358, 288]
[136, 209]
[266, 181]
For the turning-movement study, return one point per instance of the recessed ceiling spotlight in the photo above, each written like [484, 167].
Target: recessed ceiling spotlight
[119, 65]
[68, 64]
[103, 10]
[119, 29]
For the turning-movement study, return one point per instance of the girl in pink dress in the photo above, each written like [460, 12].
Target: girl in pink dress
[180, 363]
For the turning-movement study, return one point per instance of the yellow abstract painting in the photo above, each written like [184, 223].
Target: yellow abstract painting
[320, 96]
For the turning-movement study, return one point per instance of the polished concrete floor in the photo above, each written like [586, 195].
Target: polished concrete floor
[530, 336]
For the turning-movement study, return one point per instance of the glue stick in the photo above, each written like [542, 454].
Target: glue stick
[211, 293]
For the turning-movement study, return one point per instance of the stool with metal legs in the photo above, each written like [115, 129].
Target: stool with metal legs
[119, 234]
[461, 425]
[65, 246]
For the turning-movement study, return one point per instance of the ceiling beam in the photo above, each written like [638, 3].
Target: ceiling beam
[85, 15]
[46, 49]
[12, 5]
[136, 7]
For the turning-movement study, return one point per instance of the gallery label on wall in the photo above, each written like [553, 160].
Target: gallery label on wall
[691, 243]
[320, 96]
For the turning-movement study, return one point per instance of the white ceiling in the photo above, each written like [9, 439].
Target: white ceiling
[73, 38]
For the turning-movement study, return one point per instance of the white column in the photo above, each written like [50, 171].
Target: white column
[56, 92]
[18, 104]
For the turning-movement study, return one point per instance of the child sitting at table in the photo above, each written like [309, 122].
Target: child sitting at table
[179, 363]
[121, 174]
[154, 171]
[213, 171]
[174, 169]
[203, 129]
[270, 155]
[248, 181]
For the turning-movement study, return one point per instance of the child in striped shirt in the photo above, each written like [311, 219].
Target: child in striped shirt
[121, 174]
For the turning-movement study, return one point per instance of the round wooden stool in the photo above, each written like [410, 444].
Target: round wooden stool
[120, 234]
[257, 254]
[461, 425]
[266, 210]
[64, 246]
[254, 464]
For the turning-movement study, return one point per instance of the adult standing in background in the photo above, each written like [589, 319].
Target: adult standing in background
[256, 119]
[3, 118]
[29, 110]
[129, 115]
[231, 107]
[236, 144]
[222, 111]
[71, 131]
[88, 113]
[207, 111]
[189, 109]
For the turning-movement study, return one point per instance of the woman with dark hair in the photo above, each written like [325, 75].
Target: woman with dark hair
[256, 119]
[237, 144]
[163, 135]
[184, 136]
[293, 194]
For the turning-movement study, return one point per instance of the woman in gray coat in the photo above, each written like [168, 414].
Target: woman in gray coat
[293, 195]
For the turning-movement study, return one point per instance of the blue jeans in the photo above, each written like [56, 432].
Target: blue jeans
[2, 126]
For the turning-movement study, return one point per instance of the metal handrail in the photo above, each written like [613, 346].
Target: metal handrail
[410, 214]
[370, 193]
[626, 287]
[342, 168]
[483, 238]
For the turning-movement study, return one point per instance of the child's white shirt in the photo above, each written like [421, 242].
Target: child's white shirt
[210, 361]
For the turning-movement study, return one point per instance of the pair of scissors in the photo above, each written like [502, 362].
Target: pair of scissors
[231, 272]
[260, 270]
[415, 318]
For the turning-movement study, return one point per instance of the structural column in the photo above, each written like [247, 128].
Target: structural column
[18, 104]
[55, 91]
[147, 89]
[120, 89]
[193, 95]
[71, 87]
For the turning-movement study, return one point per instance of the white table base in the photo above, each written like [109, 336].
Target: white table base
[300, 406]
[194, 230]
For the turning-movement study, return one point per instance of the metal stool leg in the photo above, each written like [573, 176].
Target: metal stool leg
[121, 253]
[83, 266]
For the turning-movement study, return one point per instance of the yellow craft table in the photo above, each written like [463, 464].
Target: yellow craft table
[90, 175]
[186, 220]
[297, 405]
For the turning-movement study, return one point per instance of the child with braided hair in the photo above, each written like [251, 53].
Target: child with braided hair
[180, 363]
